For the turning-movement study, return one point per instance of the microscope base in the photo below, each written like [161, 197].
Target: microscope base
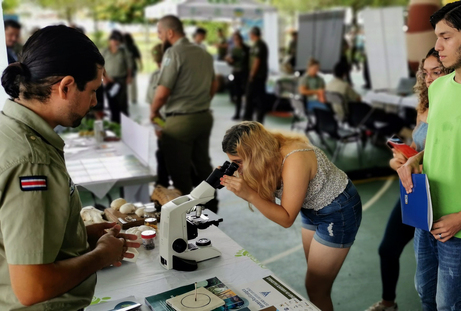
[188, 260]
[181, 264]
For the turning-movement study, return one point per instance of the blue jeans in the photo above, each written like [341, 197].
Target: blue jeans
[438, 272]
[336, 224]
[311, 104]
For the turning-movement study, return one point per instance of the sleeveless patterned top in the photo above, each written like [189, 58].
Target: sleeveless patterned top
[328, 183]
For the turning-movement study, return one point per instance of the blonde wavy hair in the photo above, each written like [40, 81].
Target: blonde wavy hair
[260, 151]
[420, 87]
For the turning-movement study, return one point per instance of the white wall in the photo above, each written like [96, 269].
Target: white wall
[385, 47]
[271, 36]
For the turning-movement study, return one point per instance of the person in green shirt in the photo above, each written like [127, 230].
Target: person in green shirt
[118, 74]
[312, 86]
[259, 70]
[185, 88]
[438, 252]
[48, 258]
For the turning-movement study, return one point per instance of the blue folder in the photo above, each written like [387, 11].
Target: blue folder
[417, 205]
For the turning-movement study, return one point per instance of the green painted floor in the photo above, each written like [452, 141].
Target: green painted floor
[358, 284]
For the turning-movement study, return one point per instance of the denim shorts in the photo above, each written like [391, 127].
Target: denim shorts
[336, 224]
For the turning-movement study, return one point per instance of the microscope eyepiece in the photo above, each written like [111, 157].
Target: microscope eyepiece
[231, 169]
[225, 166]
[226, 169]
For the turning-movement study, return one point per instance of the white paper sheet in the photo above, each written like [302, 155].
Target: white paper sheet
[136, 137]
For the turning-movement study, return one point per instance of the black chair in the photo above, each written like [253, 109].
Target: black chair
[301, 118]
[359, 115]
[287, 89]
[284, 90]
[327, 124]
[359, 120]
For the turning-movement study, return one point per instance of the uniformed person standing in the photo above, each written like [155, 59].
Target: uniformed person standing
[238, 59]
[259, 67]
[118, 75]
[186, 86]
[48, 258]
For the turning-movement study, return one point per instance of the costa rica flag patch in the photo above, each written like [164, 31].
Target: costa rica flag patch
[33, 183]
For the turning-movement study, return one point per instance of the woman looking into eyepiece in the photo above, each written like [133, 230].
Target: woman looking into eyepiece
[288, 168]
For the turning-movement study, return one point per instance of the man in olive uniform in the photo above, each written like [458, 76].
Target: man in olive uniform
[48, 258]
[185, 87]
[256, 90]
[119, 64]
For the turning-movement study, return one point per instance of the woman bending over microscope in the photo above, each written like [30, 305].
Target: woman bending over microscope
[288, 168]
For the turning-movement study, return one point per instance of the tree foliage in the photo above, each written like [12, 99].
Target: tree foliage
[65, 8]
[8, 6]
[293, 6]
[122, 11]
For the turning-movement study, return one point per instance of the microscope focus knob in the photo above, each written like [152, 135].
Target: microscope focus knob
[203, 242]
[179, 245]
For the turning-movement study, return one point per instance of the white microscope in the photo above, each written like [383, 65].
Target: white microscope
[177, 227]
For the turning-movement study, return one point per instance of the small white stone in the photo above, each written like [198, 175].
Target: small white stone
[127, 208]
[117, 203]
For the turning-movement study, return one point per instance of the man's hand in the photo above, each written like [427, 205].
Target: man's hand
[154, 114]
[129, 79]
[114, 246]
[95, 231]
[446, 227]
[412, 166]
[162, 94]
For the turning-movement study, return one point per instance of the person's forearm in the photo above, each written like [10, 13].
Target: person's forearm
[394, 164]
[159, 102]
[419, 157]
[273, 211]
[254, 68]
[307, 92]
[51, 280]
[214, 88]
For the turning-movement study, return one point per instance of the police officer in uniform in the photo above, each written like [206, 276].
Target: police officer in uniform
[119, 64]
[186, 86]
[256, 89]
[48, 258]
[238, 59]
